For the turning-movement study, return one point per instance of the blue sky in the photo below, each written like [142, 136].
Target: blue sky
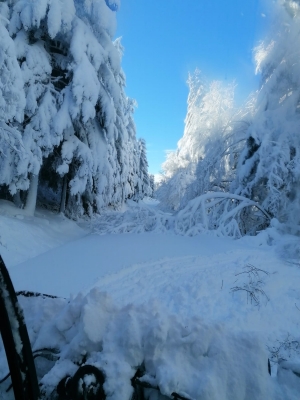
[164, 40]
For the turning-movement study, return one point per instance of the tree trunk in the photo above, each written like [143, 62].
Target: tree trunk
[63, 195]
[32, 195]
[17, 199]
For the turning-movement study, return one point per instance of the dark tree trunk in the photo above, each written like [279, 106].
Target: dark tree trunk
[64, 195]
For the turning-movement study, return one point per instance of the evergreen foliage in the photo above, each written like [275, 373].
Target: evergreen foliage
[67, 124]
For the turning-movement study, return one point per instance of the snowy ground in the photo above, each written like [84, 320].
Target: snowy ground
[203, 314]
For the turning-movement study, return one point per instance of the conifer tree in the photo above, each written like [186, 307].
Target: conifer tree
[71, 115]
[13, 158]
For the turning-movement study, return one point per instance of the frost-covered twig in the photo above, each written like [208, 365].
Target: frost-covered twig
[284, 349]
[253, 286]
[253, 291]
[251, 270]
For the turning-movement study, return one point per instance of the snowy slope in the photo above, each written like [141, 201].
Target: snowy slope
[23, 237]
[202, 314]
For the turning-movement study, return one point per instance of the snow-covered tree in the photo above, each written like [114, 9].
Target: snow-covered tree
[261, 151]
[269, 167]
[189, 146]
[77, 132]
[143, 186]
[152, 184]
[13, 160]
[250, 155]
[202, 151]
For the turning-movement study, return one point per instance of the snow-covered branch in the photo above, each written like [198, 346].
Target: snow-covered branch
[219, 212]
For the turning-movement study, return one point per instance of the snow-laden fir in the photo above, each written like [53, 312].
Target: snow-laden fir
[67, 130]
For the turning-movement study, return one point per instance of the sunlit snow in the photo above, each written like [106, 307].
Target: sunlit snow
[158, 299]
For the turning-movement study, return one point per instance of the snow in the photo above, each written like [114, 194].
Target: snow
[23, 237]
[176, 305]
[137, 287]
[93, 256]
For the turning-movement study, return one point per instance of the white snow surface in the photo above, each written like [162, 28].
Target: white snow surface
[201, 313]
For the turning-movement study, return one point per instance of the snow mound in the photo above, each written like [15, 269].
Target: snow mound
[185, 355]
